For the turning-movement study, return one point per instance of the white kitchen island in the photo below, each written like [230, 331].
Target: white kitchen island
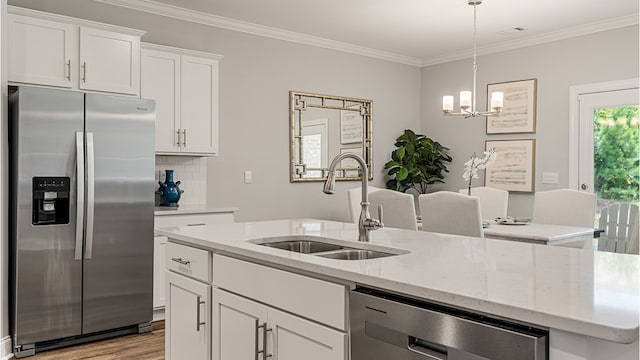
[588, 300]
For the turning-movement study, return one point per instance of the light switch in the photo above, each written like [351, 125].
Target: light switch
[248, 176]
[549, 177]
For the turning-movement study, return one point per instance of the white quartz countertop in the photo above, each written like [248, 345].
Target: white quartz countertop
[581, 291]
[190, 209]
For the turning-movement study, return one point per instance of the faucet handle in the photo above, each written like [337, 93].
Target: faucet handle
[380, 214]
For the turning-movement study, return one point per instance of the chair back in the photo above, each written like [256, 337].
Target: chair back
[564, 207]
[354, 196]
[618, 222]
[493, 202]
[451, 213]
[633, 246]
[399, 210]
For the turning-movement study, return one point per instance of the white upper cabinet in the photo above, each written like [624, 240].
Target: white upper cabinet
[54, 50]
[160, 81]
[184, 84]
[42, 51]
[109, 61]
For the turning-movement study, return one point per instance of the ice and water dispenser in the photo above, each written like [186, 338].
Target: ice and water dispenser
[50, 200]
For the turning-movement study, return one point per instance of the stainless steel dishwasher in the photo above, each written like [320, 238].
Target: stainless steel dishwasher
[393, 327]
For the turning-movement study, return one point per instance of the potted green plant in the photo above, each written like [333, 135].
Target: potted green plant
[417, 162]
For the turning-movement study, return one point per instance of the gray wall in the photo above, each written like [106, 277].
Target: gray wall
[256, 75]
[601, 57]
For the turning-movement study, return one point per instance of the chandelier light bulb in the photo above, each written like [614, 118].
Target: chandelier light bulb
[465, 100]
[447, 104]
[497, 100]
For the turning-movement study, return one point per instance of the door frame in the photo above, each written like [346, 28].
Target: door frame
[574, 119]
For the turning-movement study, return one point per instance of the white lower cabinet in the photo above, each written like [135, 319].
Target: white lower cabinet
[243, 325]
[188, 319]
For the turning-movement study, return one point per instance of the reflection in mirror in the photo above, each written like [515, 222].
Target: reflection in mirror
[324, 126]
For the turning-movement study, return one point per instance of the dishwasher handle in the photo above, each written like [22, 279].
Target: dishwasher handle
[427, 349]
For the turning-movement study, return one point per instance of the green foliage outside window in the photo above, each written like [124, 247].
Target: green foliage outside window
[616, 134]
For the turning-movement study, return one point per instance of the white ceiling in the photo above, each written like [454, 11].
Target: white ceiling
[418, 32]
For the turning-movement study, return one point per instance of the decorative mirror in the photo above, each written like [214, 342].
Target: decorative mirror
[324, 126]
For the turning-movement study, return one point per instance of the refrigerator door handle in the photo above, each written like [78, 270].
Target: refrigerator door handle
[79, 193]
[90, 196]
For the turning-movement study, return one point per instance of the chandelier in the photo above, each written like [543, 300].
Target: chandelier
[468, 98]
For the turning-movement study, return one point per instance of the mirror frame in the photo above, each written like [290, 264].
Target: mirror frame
[297, 103]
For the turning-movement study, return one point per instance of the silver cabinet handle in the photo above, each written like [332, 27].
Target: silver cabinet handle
[178, 137]
[84, 72]
[264, 341]
[79, 193]
[90, 196]
[198, 323]
[68, 70]
[184, 137]
[180, 261]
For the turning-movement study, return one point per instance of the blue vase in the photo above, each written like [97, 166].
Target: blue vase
[169, 191]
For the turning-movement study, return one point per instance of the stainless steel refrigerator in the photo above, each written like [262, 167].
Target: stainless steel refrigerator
[81, 218]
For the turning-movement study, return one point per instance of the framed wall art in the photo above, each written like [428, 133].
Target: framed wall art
[519, 109]
[351, 127]
[514, 168]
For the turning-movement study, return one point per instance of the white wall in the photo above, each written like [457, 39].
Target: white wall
[600, 57]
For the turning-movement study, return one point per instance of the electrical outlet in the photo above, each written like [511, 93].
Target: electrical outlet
[248, 176]
[162, 175]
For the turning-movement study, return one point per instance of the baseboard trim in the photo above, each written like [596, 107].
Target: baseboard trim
[5, 348]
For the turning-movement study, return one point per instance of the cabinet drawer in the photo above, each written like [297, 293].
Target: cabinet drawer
[189, 261]
[318, 300]
[192, 220]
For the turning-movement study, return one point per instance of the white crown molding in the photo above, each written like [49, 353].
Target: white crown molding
[179, 51]
[512, 44]
[179, 13]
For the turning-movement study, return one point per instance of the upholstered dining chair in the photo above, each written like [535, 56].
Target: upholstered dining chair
[354, 196]
[617, 221]
[451, 213]
[399, 210]
[493, 202]
[564, 207]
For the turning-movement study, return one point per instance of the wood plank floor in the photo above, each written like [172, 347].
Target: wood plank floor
[149, 346]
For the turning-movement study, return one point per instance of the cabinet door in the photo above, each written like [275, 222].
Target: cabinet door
[237, 334]
[188, 319]
[109, 61]
[295, 338]
[160, 81]
[42, 52]
[199, 105]
[159, 249]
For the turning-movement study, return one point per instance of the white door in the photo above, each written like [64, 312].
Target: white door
[188, 318]
[295, 338]
[239, 330]
[590, 103]
[42, 52]
[109, 61]
[160, 81]
[199, 105]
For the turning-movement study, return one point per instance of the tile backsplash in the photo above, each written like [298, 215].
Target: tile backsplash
[192, 174]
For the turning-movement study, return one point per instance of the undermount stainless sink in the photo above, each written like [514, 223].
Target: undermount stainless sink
[327, 248]
[303, 246]
[355, 254]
